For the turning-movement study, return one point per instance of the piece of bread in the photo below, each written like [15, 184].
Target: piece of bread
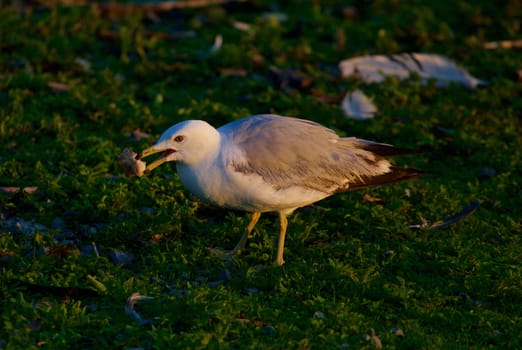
[130, 163]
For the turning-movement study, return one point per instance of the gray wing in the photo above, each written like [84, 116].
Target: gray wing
[288, 152]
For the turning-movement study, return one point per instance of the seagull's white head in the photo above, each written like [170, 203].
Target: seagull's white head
[188, 142]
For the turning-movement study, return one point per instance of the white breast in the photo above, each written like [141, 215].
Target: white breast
[225, 187]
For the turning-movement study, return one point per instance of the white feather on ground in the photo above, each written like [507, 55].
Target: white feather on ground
[375, 68]
[357, 105]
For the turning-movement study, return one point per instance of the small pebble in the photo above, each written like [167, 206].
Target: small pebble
[83, 63]
[225, 275]
[86, 250]
[147, 210]
[120, 257]
[397, 331]
[58, 224]
[214, 284]
[35, 324]
[252, 290]
[389, 253]
[269, 330]
[179, 292]
[156, 280]
[66, 235]
[486, 172]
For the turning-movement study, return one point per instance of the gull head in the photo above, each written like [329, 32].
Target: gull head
[188, 142]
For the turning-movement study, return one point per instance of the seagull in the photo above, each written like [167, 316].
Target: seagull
[270, 163]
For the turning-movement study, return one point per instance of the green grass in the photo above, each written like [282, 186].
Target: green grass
[351, 265]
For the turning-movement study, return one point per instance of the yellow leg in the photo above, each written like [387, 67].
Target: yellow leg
[240, 246]
[281, 243]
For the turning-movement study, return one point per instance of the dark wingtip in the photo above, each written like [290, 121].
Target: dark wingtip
[407, 173]
[385, 150]
[396, 174]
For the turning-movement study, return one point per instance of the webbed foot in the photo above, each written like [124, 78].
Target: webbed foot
[226, 255]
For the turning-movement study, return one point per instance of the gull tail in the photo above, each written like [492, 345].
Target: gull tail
[379, 152]
[385, 150]
[395, 174]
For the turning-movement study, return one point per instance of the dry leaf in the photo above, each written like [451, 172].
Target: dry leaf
[350, 12]
[139, 135]
[242, 26]
[112, 35]
[357, 105]
[108, 35]
[58, 87]
[113, 9]
[370, 198]
[326, 98]
[287, 79]
[257, 60]
[374, 339]
[503, 44]
[243, 320]
[61, 251]
[232, 72]
[30, 189]
[374, 69]
[15, 189]
[158, 237]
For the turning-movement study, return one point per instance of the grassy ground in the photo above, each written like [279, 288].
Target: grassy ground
[351, 265]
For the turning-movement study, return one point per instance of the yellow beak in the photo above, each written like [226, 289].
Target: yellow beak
[150, 151]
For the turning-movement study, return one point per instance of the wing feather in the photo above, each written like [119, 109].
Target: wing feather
[288, 152]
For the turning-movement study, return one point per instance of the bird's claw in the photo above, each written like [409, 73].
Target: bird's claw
[224, 254]
[279, 262]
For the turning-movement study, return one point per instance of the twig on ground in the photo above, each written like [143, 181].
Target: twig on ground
[112, 9]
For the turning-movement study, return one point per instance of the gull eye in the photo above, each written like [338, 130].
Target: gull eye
[179, 138]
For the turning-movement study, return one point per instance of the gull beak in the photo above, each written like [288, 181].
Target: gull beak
[161, 159]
